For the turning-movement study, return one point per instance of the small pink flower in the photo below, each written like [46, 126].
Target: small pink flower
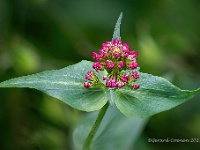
[108, 83]
[96, 56]
[111, 83]
[97, 66]
[86, 84]
[132, 65]
[125, 78]
[89, 75]
[116, 42]
[106, 44]
[90, 72]
[103, 52]
[110, 64]
[116, 55]
[132, 58]
[135, 86]
[120, 84]
[125, 48]
[134, 53]
[125, 55]
[105, 77]
[120, 64]
[135, 75]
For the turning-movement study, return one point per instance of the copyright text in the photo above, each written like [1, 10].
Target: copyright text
[174, 140]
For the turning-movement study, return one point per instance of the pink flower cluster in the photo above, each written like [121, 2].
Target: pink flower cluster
[115, 57]
[91, 76]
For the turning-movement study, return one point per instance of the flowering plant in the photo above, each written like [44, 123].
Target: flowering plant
[113, 78]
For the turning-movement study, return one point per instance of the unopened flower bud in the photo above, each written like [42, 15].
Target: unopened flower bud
[96, 56]
[120, 64]
[132, 65]
[97, 66]
[89, 75]
[135, 86]
[135, 75]
[111, 83]
[105, 77]
[125, 48]
[124, 78]
[116, 42]
[133, 53]
[110, 64]
[120, 84]
[115, 55]
[86, 84]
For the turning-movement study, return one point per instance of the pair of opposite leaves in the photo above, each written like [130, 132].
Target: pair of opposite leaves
[155, 94]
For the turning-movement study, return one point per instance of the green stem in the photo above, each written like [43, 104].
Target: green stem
[95, 127]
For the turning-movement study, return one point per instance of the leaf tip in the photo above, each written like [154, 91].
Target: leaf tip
[2, 84]
[116, 34]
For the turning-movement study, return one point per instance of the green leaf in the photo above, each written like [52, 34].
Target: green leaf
[65, 84]
[116, 131]
[116, 34]
[155, 95]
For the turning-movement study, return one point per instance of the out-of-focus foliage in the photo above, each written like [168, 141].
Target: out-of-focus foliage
[39, 35]
[115, 132]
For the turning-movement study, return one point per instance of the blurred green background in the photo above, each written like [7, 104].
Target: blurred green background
[37, 35]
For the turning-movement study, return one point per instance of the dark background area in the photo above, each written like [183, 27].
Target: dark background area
[38, 35]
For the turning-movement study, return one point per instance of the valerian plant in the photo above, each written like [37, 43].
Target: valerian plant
[113, 79]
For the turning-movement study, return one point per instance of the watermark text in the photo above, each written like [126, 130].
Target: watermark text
[174, 140]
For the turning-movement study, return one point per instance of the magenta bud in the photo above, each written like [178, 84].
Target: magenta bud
[104, 45]
[115, 55]
[133, 53]
[103, 52]
[125, 78]
[111, 83]
[108, 83]
[110, 64]
[125, 55]
[120, 84]
[135, 75]
[133, 65]
[105, 77]
[135, 86]
[125, 48]
[120, 64]
[96, 56]
[97, 66]
[86, 84]
[89, 75]
[116, 42]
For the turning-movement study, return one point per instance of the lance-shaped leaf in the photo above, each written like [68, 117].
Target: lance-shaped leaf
[65, 84]
[155, 95]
